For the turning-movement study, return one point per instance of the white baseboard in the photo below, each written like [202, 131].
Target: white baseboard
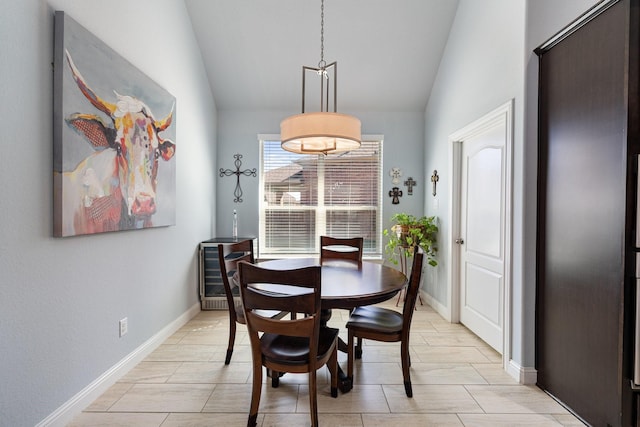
[65, 413]
[441, 309]
[522, 374]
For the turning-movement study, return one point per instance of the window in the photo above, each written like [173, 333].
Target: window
[306, 196]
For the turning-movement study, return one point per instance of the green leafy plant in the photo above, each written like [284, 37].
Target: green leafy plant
[408, 232]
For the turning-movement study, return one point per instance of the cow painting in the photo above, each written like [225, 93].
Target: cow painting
[114, 188]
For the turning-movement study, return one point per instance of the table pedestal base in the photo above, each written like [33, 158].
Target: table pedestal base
[345, 384]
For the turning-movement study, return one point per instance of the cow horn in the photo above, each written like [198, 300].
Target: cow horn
[97, 102]
[166, 122]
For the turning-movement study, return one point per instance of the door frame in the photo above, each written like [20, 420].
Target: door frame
[502, 113]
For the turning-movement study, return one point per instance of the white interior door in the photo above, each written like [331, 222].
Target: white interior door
[483, 231]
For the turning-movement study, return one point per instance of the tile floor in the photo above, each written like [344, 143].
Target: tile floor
[457, 381]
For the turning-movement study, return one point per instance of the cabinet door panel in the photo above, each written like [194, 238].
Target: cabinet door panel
[581, 214]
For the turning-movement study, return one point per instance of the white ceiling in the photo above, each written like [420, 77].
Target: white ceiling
[388, 51]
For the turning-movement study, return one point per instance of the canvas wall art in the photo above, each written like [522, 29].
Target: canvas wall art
[114, 162]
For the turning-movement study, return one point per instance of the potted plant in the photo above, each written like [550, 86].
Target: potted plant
[408, 232]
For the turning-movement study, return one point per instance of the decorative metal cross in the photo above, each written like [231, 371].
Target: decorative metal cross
[395, 174]
[434, 179]
[410, 183]
[396, 193]
[247, 172]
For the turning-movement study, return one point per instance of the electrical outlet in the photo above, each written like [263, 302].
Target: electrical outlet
[123, 327]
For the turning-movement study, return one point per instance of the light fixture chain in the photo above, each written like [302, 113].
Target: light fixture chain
[322, 64]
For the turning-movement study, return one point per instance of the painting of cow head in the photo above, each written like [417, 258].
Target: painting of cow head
[113, 186]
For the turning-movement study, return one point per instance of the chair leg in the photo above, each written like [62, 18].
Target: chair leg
[359, 345]
[399, 297]
[275, 379]
[255, 394]
[406, 362]
[232, 339]
[313, 398]
[359, 349]
[333, 370]
[350, 357]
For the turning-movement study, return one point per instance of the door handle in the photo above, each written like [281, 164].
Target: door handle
[459, 241]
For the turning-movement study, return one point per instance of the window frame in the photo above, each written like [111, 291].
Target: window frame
[269, 253]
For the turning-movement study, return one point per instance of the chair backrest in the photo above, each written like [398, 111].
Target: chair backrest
[229, 255]
[341, 248]
[412, 290]
[302, 294]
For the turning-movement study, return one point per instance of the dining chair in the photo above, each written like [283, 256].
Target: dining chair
[229, 255]
[293, 345]
[341, 248]
[382, 324]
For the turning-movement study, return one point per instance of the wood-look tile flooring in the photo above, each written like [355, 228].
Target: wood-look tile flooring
[457, 380]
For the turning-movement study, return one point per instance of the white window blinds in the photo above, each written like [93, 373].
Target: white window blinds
[306, 196]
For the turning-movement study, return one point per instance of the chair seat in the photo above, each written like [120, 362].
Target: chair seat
[295, 350]
[375, 319]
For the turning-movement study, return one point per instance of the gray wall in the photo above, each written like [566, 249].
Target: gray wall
[237, 132]
[488, 61]
[482, 68]
[61, 298]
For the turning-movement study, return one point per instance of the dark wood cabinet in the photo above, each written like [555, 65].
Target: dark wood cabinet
[587, 249]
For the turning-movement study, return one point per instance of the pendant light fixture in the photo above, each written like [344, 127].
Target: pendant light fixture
[321, 132]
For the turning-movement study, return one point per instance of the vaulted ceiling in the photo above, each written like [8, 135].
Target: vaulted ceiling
[388, 51]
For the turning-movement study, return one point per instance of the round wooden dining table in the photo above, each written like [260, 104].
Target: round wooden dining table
[347, 285]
